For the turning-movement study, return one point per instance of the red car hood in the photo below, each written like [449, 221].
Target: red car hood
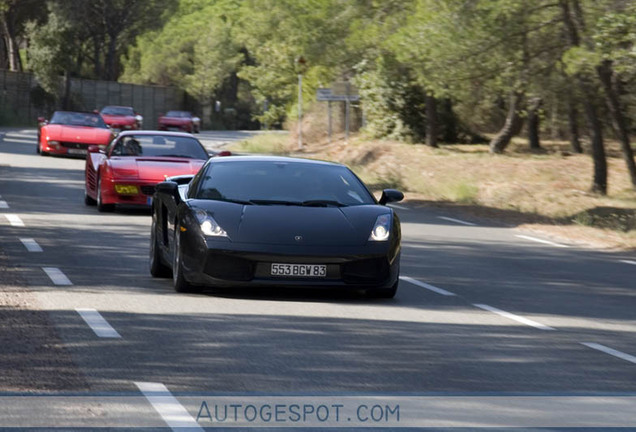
[153, 169]
[78, 134]
[118, 119]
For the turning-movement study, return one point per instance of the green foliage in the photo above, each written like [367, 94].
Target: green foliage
[48, 57]
[394, 106]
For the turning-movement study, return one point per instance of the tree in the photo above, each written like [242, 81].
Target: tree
[14, 15]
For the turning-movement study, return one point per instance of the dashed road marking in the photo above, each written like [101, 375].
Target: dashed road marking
[4, 204]
[514, 317]
[610, 351]
[629, 262]
[97, 322]
[538, 240]
[398, 207]
[168, 407]
[57, 276]
[14, 220]
[427, 286]
[31, 245]
[450, 219]
[18, 140]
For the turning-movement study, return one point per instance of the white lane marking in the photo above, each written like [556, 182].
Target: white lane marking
[514, 317]
[628, 262]
[57, 276]
[20, 135]
[31, 245]
[168, 407]
[14, 220]
[427, 286]
[538, 240]
[97, 322]
[3, 204]
[450, 219]
[398, 207]
[18, 140]
[610, 351]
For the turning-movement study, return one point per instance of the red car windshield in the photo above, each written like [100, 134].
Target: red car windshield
[118, 111]
[158, 145]
[78, 119]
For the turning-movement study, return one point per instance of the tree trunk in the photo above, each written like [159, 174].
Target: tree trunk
[533, 123]
[97, 66]
[573, 25]
[450, 133]
[512, 126]
[13, 54]
[605, 73]
[66, 101]
[431, 121]
[110, 58]
[573, 123]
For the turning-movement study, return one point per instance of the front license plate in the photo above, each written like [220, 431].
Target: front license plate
[299, 270]
[77, 151]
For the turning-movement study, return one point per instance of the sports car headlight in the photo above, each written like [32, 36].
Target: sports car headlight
[381, 229]
[208, 225]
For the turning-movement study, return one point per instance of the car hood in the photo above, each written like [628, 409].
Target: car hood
[154, 169]
[118, 119]
[294, 225]
[78, 134]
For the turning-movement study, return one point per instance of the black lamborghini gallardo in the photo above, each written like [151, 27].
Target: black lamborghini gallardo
[275, 221]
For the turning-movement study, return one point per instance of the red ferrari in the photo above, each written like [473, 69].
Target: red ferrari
[127, 171]
[71, 133]
[121, 118]
[179, 120]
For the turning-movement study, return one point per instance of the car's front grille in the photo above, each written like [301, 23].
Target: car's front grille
[147, 190]
[74, 145]
[369, 270]
[229, 267]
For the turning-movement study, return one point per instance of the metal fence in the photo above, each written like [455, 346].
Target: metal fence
[22, 100]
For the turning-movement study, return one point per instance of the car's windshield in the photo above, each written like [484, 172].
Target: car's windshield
[182, 114]
[78, 119]
[118, 111]
[282, 183]
[158, 145]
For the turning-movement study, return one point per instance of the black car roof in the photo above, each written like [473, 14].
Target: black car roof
[156, 132]
[264, 158]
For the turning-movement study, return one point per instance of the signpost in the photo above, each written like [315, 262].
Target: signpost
[339, 92]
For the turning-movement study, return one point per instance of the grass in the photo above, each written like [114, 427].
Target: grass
[547, 190]
[265, 143]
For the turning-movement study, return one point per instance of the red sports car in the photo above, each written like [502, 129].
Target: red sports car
[121, 118]
[127, 171]
[181, 121]
[71, 133]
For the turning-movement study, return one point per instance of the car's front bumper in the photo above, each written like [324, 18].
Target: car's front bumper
[143, 196]
[224, 264]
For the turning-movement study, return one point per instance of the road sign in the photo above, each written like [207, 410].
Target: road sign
[326, 94]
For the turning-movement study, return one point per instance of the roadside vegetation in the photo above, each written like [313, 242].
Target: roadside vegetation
[546, 191]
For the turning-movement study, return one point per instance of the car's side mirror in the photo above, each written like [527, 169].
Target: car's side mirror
[95, 149]
[391, 195]
[169, 188]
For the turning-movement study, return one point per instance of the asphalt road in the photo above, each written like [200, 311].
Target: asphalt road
[482, 309]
